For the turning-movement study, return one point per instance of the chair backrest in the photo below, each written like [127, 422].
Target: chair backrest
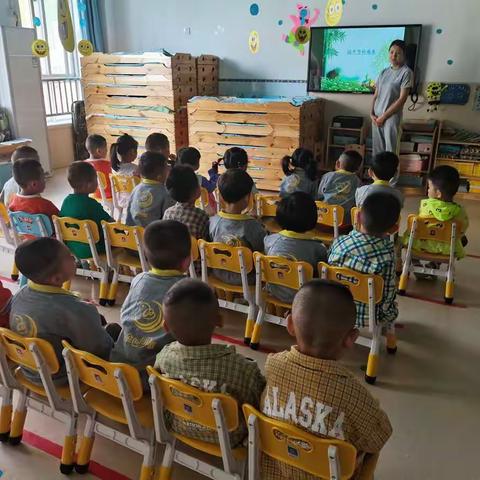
[203, 201]
[225, 257]
[70, 229]
[193, 404]
[280, 271]
[5, 224]
[355, 213]
[37, 225]
[4, 213]
[357, 282]
[18, 350]
[119, 235]
[102, 180]
[194, 252]
[123, 183]
[300, 449]
[329, 215]
[267, 205]
[432, 229]
[357, 148]
[100, 374]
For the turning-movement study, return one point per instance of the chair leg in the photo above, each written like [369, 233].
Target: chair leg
[391, 339]
[373, 357]
[86, 446]
[148, 466]
[103, 293]
[112, 291]
[18, 421]
[402, 285]
[449, 285]
[255, 341]
[5, 414]
[67, 463]
[15, 272]
[165, 472]
[250, 323]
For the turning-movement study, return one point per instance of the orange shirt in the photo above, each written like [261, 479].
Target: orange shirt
[105, 167]
[33, 204]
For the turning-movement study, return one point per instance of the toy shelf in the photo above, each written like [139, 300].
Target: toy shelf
[356, 136]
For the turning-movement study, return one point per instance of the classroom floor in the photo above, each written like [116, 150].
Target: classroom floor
[430, 389]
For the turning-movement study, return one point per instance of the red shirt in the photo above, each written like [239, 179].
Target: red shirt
[33, 204]
[105, 167]
[5, 296]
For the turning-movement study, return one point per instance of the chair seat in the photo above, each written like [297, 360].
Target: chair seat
[240, 453]
[128, 258]
[275, 301]
[271, 224]
[434, 257]
[216, 283]
[111, 407]
[324, 236]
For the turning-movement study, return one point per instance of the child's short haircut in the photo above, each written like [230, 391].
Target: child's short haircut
[167, 244]
[385, 165]
[350, 160]
[151, 165]
[446, 179]
[323, 313]
[380, 212]
[80, 174]
[182, 183]
[39, 259]
[24, 152]
[297, 212]
[234, 185]
[27, 170]
[191, 305]
[94, 142]
[235, 157]
[156, 142]
[189, 156]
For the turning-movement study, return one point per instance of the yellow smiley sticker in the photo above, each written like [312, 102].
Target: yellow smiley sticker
[85, 47]
[333, 12]
[302, 35]
[254, 42]
[40, 48]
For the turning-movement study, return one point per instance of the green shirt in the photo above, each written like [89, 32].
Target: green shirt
[82, 207]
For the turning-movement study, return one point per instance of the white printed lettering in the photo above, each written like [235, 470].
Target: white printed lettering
[277, 410]
[337, 430]
[267, 407]
[291, 409]
[321, 412]
[306, 407]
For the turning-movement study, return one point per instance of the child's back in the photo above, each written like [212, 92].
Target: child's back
[300, 173]
[378, 186]
[191, 313]
[96, 146]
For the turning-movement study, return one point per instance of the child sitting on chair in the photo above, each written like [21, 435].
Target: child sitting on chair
[370, 250]
[182, 185]
[159, 143]
[96, 146]
[443, 185]
[82, 177]
[11, 187]
[339, 187]
[167, 247]
[308, 387]
[297, 215]
[191, 314]
[45, 310]
[122, 155]
[383, 169]
[237, 157]
[29, 175]
[230, 225]
[191, 156]
[301, 173]
[150, 198]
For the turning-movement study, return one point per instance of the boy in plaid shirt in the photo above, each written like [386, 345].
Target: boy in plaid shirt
[307, 387]
[182, 185]
[370, 250]
[191, 314]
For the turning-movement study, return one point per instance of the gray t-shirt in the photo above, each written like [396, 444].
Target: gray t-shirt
[389, 85]
[143, 334]
[297, 247]
[148, 203]
[363, 192]
[298, 182]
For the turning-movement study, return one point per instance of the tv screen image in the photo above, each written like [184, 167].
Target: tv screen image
[349, 59]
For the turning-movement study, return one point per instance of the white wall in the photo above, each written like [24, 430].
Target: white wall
[222, 27]
[7, 12]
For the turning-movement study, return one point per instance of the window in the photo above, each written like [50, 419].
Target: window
[60, 69]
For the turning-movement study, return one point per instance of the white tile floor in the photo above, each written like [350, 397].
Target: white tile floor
[430, 389]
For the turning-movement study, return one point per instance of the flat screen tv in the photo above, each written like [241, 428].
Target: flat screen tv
[349, 59]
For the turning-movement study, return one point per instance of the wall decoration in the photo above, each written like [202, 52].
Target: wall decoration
[333, 12]
[302, 35]
[374, 6]
[280, 23]
[40, 48]
[254, 42]
[85, 47]
[65, 25]
[254, 9]
[36, 21]
[438, 31]
[302, 18]
[449, 61]
[476, 100]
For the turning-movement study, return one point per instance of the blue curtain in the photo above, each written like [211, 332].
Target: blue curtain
[91, 24]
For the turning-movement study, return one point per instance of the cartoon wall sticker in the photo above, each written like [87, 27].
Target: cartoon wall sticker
[333, 12]
[40, 48]
[85, 47]
[254, 42]
[434, 94]
[65, 25]
[302, 35]
[302, 18]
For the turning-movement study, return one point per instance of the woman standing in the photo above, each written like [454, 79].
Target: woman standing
[391, 92]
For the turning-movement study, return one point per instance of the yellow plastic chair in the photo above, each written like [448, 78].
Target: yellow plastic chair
[267, 210]
[366, 289]
[202, 201]
[53, 401]
[102, 187]
[7, 234]
[215, 411]
[122, 187]
[355, 212]
[69, 229]
[194, 255]
[115, 393]
[438, 231]
[129, 241]
[329, 217]
[325, 458]
[237, 260]
[276, 271]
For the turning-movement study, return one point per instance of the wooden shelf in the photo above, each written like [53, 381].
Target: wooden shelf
[347, 129]
[7, 148]
[461, 160]
[413, 132]
[457, 142]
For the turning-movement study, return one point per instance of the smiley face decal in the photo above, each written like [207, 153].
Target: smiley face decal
[85, 47]
[254, 42]
[40, 48]
[333, 12]
[302, 35]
